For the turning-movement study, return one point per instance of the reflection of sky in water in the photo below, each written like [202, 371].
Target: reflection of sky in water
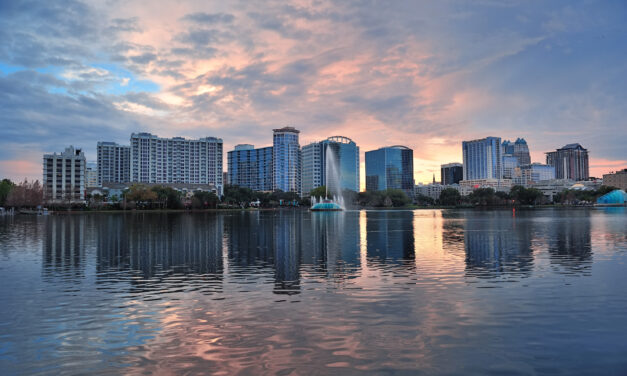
[438, 291]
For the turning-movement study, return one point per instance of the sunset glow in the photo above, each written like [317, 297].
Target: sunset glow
[422, 74]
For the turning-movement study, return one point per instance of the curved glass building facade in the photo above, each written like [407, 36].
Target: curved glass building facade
[315, 171]
[390, 168]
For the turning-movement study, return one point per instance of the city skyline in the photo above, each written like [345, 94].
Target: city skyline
[76, 73]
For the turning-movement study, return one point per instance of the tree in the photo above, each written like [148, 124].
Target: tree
[321, 191]
[237, 195]
[26, 194]
[398, 197]
[370, 198]
[168, 197]
[6, 186]
[387, 198]
[204, 200]
[450, 197]
[482, 196]
[140, 195]
[424, 199]
[525, 196]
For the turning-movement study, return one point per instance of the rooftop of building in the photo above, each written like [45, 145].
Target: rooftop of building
[68, 152]
[286, 129]
[244, 147]
[483, 139]
[177, 138]
[573, 146]
[452, 164]
[393, 147]
[340, 139]
[619, 172]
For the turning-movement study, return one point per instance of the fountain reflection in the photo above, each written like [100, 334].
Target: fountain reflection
[322, 244]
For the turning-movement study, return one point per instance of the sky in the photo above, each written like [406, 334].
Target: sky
[424, 74]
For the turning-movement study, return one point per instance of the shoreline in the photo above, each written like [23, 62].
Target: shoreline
[403, 208]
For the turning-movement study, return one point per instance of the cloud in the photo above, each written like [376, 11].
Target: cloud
[209, 18]
[423, 74]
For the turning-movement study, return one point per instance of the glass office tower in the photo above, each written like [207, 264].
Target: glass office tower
[451, 173]
[390, 168]
[345, 154]
[286, 160]
[250, 168]
[482, 159]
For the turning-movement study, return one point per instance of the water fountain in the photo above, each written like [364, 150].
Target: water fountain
[332, 175]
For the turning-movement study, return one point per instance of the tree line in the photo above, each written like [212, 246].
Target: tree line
[29, 194]
[26, 194]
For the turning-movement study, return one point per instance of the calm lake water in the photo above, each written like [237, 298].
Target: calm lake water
[382, 292]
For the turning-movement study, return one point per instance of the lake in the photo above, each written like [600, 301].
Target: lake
[293, 292]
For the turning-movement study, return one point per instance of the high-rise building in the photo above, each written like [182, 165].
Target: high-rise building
[91, 175]
[535, 172]
[114, 163]
[570, 162]
[482, 159]
[514, 155]
[451, 173]
[176, 160]
[311, 159]
[286, 160]
[617, 179]
[507, 148]
[250, 168]
[390, 168]
[521, 152]
[64, 176]
[316, 171]
[510, 163]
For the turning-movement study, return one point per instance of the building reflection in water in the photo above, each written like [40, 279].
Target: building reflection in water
[64, 248]
[497, 244]
[158, 243]
[143, 250]
[326, 244]
[569, 243]
[390, 238]
[331, 244]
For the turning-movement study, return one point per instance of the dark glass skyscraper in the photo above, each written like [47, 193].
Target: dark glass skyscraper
[390, 168]
[451, 173]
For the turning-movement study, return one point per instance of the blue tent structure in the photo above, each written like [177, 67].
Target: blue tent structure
[616, 197]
